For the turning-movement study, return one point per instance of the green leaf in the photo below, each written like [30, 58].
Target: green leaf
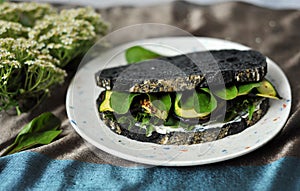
[27, 141]
[149, 129]
[145, 120]
[138, 53]
[206, 90]
[251, 109]
[171, 121]
[44, 122]
[246, 88]
[230, 115]
[125, 120]
[227, 93]
[142, 117]
[162, 103]
[120, 101]
[41, 130]
[186, 100]
[204, 102]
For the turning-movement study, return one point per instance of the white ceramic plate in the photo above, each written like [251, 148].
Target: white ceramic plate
[82, 112]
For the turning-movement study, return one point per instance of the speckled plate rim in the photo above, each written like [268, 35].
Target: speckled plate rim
[83, 116]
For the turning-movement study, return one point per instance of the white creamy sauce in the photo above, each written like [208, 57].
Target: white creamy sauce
[161, 129]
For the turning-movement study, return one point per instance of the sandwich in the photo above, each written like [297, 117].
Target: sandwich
[182, 100]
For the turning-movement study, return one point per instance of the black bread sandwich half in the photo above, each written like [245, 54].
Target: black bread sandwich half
[168, 100]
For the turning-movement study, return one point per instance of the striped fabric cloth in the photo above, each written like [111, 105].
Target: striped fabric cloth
[35, 171]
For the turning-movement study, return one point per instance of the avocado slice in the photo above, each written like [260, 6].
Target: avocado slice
[105, 105]
[266, 89]
[186, 112]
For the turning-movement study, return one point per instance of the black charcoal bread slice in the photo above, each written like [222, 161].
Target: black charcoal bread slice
[180, 73]
[187, 138]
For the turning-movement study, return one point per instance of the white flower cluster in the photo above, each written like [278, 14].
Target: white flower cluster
[70, 33]
[25, 13]
[12, 29]
[35, 42]
[87, 14]
[24, 55]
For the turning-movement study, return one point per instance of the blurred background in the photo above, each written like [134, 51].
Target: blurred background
[275, 4]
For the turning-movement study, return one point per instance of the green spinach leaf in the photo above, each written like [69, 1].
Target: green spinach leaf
[162, 103]
[149, 129]
[251, 109]
[40, 131]
[227, 93]
[186, 100]
[126, 120]
[138, 53]
[204, 102]
[246, 88]
[120, 101]
[171, 121]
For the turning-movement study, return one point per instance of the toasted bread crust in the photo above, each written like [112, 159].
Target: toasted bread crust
[185, 72]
